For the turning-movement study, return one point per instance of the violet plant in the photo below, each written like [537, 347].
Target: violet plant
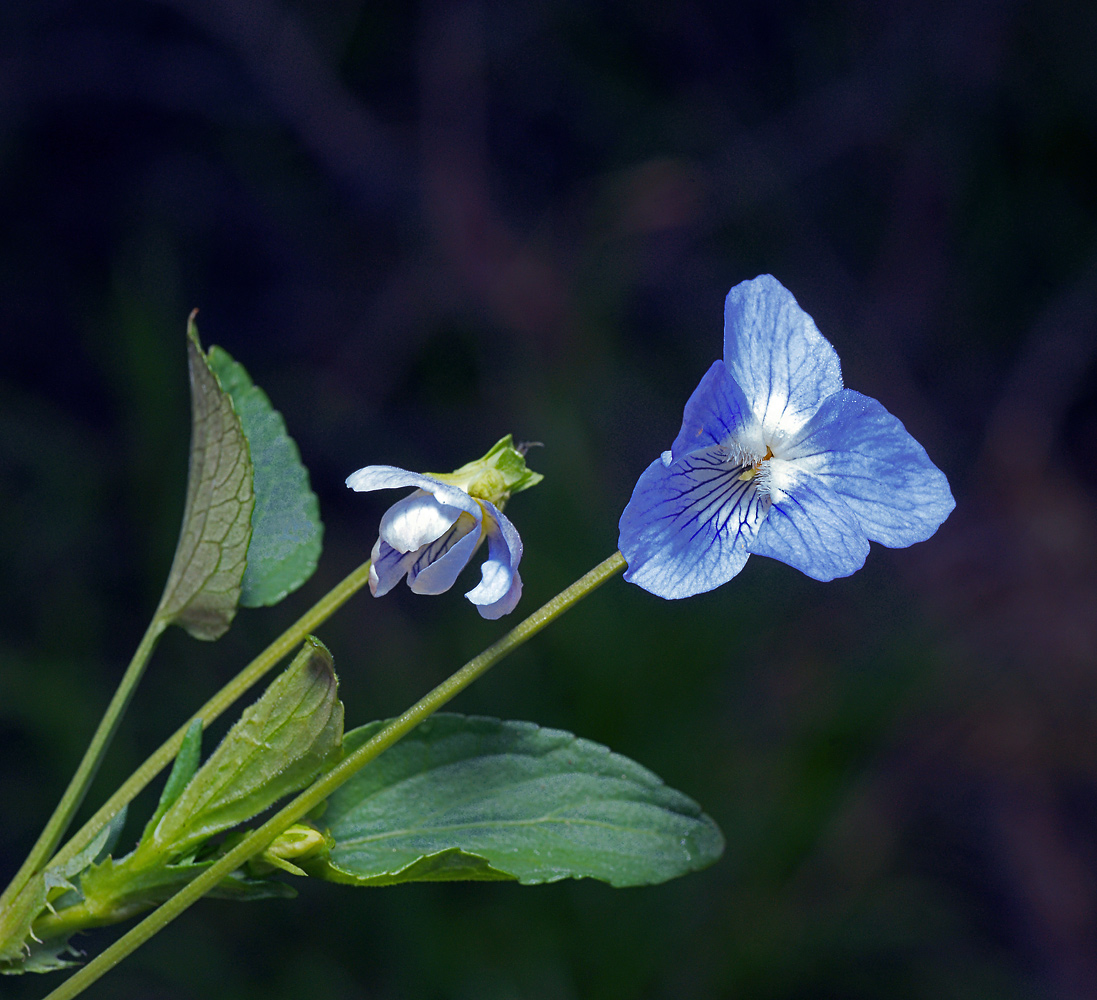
[775, 457]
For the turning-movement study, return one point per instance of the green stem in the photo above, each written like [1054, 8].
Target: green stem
[262, 664]
[74, 795]
[260, 838]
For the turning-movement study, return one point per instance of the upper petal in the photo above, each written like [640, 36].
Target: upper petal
[717, 412]
[688, 525]
[809, 526]
[416, 520]
[385, 477]
[501, 566]
[866, 456]
[775, 352]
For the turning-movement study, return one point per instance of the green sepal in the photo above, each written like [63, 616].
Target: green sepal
[497, 476]
[526, 802]
[286, 531]
[203, 586]
[278, 746]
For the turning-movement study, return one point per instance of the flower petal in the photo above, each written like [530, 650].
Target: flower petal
[387, 567]
[506, 604]
[501, 566]
[436, 565]
[688, 526]
[867, 457]
[386, 477]
[717, 412]
[809, 526]
[778, 357]
[416, 520]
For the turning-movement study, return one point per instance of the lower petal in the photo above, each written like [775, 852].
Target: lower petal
[687, 528]
[810, 527]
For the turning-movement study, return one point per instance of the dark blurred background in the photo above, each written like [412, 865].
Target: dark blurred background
[423, 226]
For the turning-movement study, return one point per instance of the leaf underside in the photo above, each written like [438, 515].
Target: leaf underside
[203, 586]
[286, 528]
[478, 798]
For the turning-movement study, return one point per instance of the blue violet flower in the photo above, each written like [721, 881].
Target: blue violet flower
[432, 534]
[775, 458]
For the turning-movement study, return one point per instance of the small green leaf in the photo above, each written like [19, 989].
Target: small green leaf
[465, 797]
[203, 586]
[278, 746]
[286, 531]
[186, 763]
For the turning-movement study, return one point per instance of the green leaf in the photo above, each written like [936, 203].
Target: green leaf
[203, 586]
[186, 763]
[468, 797]
[278, 746]
[286, 531]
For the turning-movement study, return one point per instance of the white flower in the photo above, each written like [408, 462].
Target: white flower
[432, 534]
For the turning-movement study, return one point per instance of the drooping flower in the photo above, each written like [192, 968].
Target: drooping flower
[431, 535]
[775, 458]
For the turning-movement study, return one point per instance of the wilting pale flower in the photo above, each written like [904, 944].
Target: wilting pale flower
[431, 535]
[775, 458]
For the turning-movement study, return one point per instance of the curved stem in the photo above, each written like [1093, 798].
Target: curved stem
[258, 839]
[59, 822]
[262, 664]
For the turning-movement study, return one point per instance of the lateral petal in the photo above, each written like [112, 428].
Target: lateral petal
[778, 357]
[687, 527]
[867, 457]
